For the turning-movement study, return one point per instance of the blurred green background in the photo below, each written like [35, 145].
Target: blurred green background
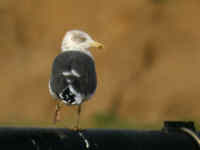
[147, 73]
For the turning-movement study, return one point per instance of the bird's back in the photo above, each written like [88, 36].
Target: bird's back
[75, 70]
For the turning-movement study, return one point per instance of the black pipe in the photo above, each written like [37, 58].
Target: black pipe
[170, 138]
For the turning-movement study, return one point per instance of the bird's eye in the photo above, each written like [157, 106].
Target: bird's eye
[78, 38]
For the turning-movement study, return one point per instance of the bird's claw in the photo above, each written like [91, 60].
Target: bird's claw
[76, 128]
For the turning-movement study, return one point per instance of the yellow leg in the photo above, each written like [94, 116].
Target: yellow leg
[57, 112]
[77, 127]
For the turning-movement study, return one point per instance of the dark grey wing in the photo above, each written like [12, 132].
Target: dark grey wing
[87, 82]
[84, 82]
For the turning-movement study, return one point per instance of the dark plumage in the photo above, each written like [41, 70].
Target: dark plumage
[84, 84]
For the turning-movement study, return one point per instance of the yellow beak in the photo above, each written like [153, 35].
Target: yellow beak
[97, 44]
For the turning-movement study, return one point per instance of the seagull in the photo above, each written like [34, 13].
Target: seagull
[73, 76]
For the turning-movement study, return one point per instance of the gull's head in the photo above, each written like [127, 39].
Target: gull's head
[78, 40]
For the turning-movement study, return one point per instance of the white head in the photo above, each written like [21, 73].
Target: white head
[78, 40]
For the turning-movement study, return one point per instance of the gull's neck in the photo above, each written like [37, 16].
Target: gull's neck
[85, 51]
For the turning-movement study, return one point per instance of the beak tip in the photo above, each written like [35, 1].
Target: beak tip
[101, 46]
[97, 45]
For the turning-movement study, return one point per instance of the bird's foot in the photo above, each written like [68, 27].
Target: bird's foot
[76, 128]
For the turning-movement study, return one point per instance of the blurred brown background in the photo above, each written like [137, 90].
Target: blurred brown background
[148, 71]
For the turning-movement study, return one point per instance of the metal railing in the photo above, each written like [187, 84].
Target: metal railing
[173, 136]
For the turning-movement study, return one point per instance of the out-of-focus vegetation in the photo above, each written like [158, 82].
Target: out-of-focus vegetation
[147, 73]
